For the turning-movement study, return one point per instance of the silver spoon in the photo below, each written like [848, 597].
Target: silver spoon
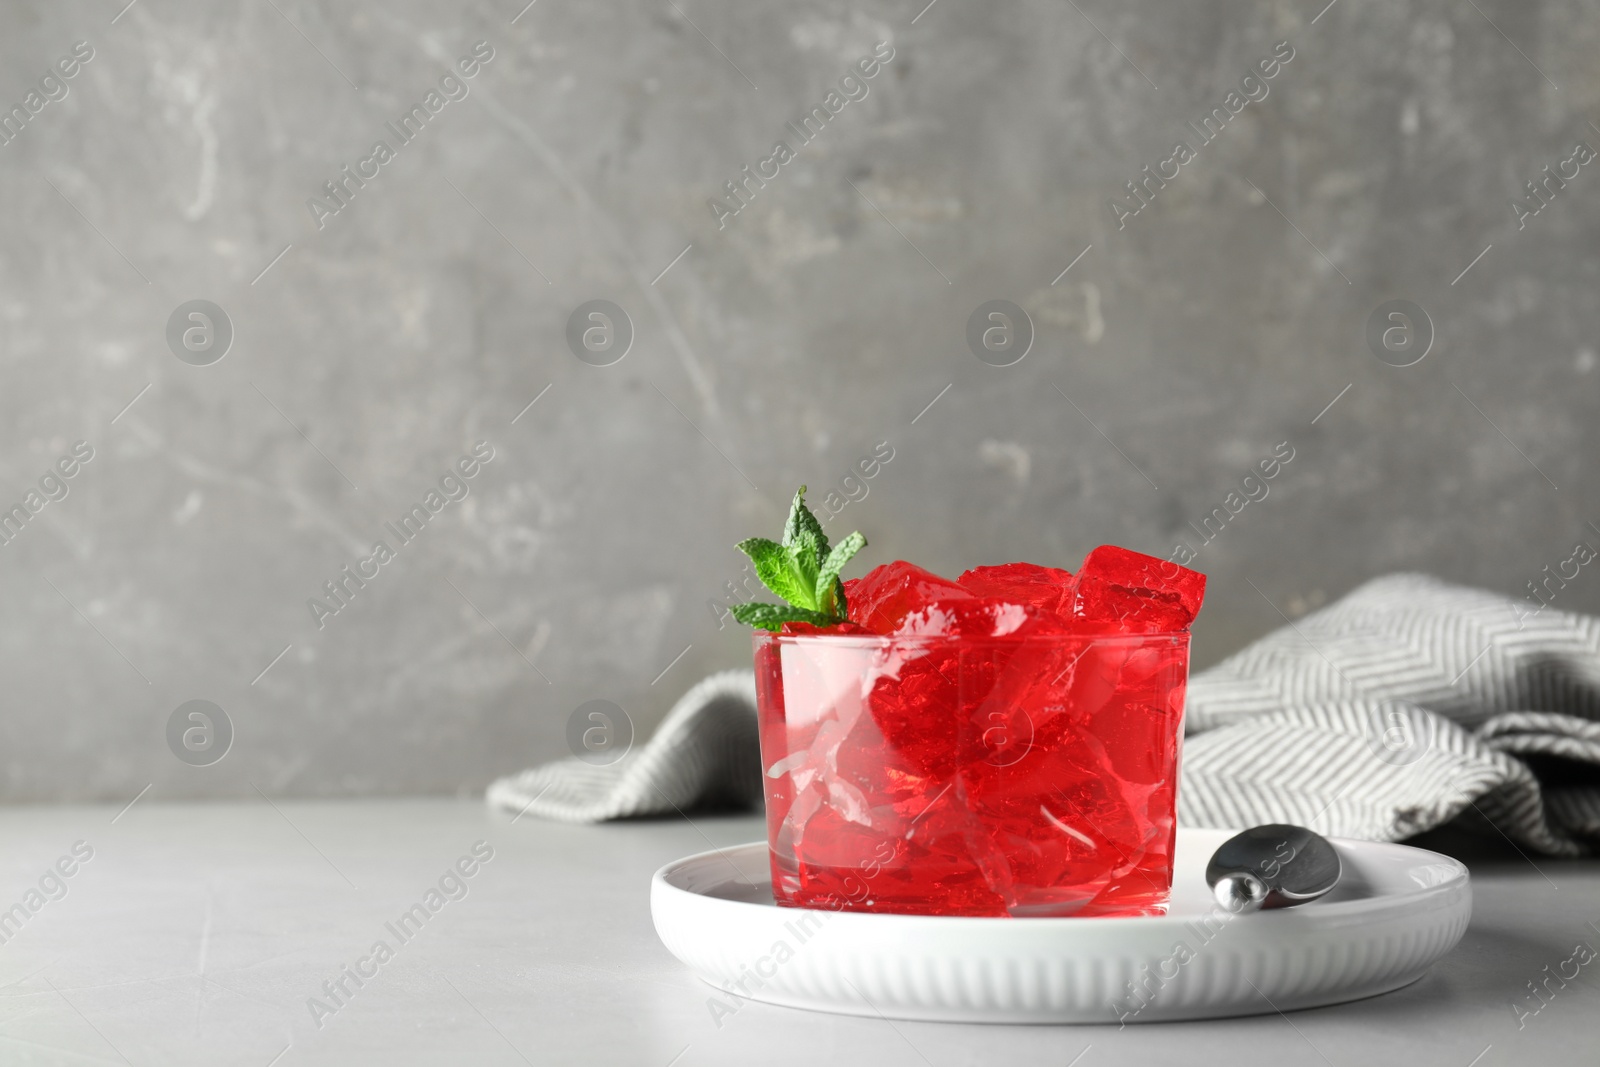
[1273, 866]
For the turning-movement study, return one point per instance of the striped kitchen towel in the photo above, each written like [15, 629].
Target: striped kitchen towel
[1406, 704]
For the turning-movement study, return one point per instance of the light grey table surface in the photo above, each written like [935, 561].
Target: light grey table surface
[199, 934]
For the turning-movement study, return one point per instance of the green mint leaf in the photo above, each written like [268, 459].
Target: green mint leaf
[801, 520]
[807, 562]
[802, 570]
[836, 602]
[773, 616]
[776, 567]
[830, 591]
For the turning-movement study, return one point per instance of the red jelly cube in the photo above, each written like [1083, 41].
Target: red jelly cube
[1046, 588]
[1128, 592]
[979, 618]
[838, 629]
[882, 599]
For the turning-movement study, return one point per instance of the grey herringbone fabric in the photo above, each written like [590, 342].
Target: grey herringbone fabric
[705, 750]
[1404, 705]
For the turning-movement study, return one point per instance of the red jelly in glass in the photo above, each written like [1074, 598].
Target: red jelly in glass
[981, 747]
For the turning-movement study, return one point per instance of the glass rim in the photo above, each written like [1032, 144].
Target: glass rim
[893, 640]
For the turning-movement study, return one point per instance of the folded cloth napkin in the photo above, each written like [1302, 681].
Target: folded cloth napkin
[1406, 704]
[705, 751]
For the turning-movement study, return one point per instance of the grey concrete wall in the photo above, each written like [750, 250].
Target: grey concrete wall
[1185, 343]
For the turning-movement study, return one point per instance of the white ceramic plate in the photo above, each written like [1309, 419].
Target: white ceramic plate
[1396, 910]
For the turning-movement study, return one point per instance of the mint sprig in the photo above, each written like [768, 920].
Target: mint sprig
[802, 570]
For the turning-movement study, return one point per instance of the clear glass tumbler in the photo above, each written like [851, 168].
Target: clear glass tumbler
[1032, 776]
